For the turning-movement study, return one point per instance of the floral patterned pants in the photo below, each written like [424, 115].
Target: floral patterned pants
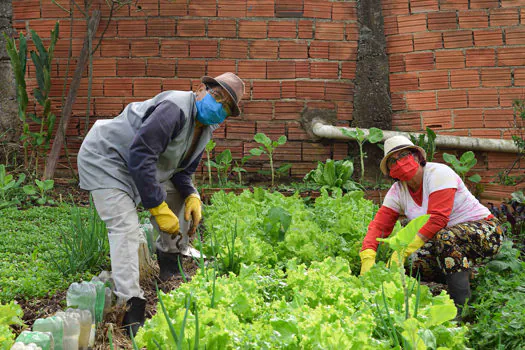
[457, 248]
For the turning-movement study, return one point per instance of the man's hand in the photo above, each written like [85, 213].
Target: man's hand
[368, 259]
[166, 219]
[193, 211]
[412, 247]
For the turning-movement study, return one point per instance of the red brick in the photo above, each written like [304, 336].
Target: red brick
[483, 4]
[403, 82]
[344, 110]
[315, 151]
[114, 87]
[146, 87]
[340, 91]
[442, 21]
[240, 130]
[288, 110]
[108, 106]
[396, 63]
[399, 44]
[423, 5]
[289, 8]
[458, 39]
[320, 105]
[491, 77]
[173, 8]
[234, 49]
[504, 17]
[257, 110]
[263, 49]
[111, 30]
[324, 70]
[280, 70]
[344, 11]
[175, 48]
[203, 48]
[352, 32]
[507, 96]
[514, 56]
[217, 67]
[452, 99]
[342, 51]
[27, 9]
[302, 69]
[427, 41]
[145, 48]
[252, 69]
[191, 27]
[131, 28]
[273, 130]
[398, 101]
[310, 89]
[97, 88]
[204, 8]
[419, 61]
[483, 98]
[232, 8]
[161, 27]
[293, 49]
[512, 3]
[412, 23]
[103, 67]
[318, 49]
[266, 90]
[176, 84]
[464, 78]
[306, 29]
[453, 4]
[519, 77]
[144, 8]
[488, 37]
[437, 120]
[394, 7]
[433, 80]
[222, 29]
[161, 67]
[468, 118]
[515, 36]
[329, 31]
[282, 29]
[131, 67]
[499, 118]
[190, 68]
[485, 133]
[260, 8]
[288, 89]
[473, 19]
[481, 58]
[390, 25]
[252, 29]
[421, 101]
[348, 70]
[406, 121]
[318, 9]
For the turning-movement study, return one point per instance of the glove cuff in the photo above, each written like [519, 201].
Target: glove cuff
[158, 209]
[193, 195]
[367, 254]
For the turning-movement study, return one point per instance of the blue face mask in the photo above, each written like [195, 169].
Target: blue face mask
[209, 111]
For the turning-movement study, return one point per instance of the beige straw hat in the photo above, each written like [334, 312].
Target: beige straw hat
[397, 143]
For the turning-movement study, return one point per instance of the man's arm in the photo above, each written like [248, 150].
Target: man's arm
[182, 180]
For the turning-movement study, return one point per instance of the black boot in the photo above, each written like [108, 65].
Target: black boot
[134, 316]
[459, 289]
[169, 265]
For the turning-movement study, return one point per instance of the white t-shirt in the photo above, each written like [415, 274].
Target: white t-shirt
[437, 177]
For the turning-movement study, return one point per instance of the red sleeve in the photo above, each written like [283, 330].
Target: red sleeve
[440, 205]
[380, 227]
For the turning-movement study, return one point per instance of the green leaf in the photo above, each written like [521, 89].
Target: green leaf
[407, 234]
[225, 157]
[475, 178]
[375, 135]
[450, 158]
[467, 157]
[282, 140]
[210, 145]
[441, 313]
[29, 190]
[263, 139]
[256, 151]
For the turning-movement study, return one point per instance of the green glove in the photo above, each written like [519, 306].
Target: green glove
[412, 247]
[166, 219]
[368, 259]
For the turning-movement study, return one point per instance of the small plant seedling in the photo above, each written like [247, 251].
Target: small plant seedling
[374, 136]
[268, 147]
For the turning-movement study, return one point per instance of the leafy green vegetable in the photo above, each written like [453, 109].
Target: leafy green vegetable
[334, 174]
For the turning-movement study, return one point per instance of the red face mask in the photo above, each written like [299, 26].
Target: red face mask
[404, 169]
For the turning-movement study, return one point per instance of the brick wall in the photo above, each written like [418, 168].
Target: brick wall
[455, 65]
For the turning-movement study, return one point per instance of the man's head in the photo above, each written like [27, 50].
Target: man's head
[226, 89]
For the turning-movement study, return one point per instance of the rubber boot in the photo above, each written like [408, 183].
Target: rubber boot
[459, 289]
[169, 265]
[134, 316]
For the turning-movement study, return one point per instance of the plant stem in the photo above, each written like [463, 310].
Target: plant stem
[271, 167]
[209, 166]
[362, 161]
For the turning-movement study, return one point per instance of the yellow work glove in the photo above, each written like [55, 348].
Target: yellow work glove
[368, 259]
[166, 219]
[193, 210]
[412, 247]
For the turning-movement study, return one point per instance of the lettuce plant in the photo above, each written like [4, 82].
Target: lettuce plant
[334, 174]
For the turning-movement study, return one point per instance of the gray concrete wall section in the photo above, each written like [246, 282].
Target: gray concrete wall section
[8, 107]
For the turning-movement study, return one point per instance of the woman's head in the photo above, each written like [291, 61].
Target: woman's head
[400, 152]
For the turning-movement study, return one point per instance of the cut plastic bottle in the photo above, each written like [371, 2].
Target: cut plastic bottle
[43, 340]
[71, 330]
[53, 325]
[86, 325]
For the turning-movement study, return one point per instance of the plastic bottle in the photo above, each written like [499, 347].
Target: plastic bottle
[82, 296]
[71, 329]
[42, 339]
[22, 346]
[54, 325]
[86, 325]
[100, 300]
